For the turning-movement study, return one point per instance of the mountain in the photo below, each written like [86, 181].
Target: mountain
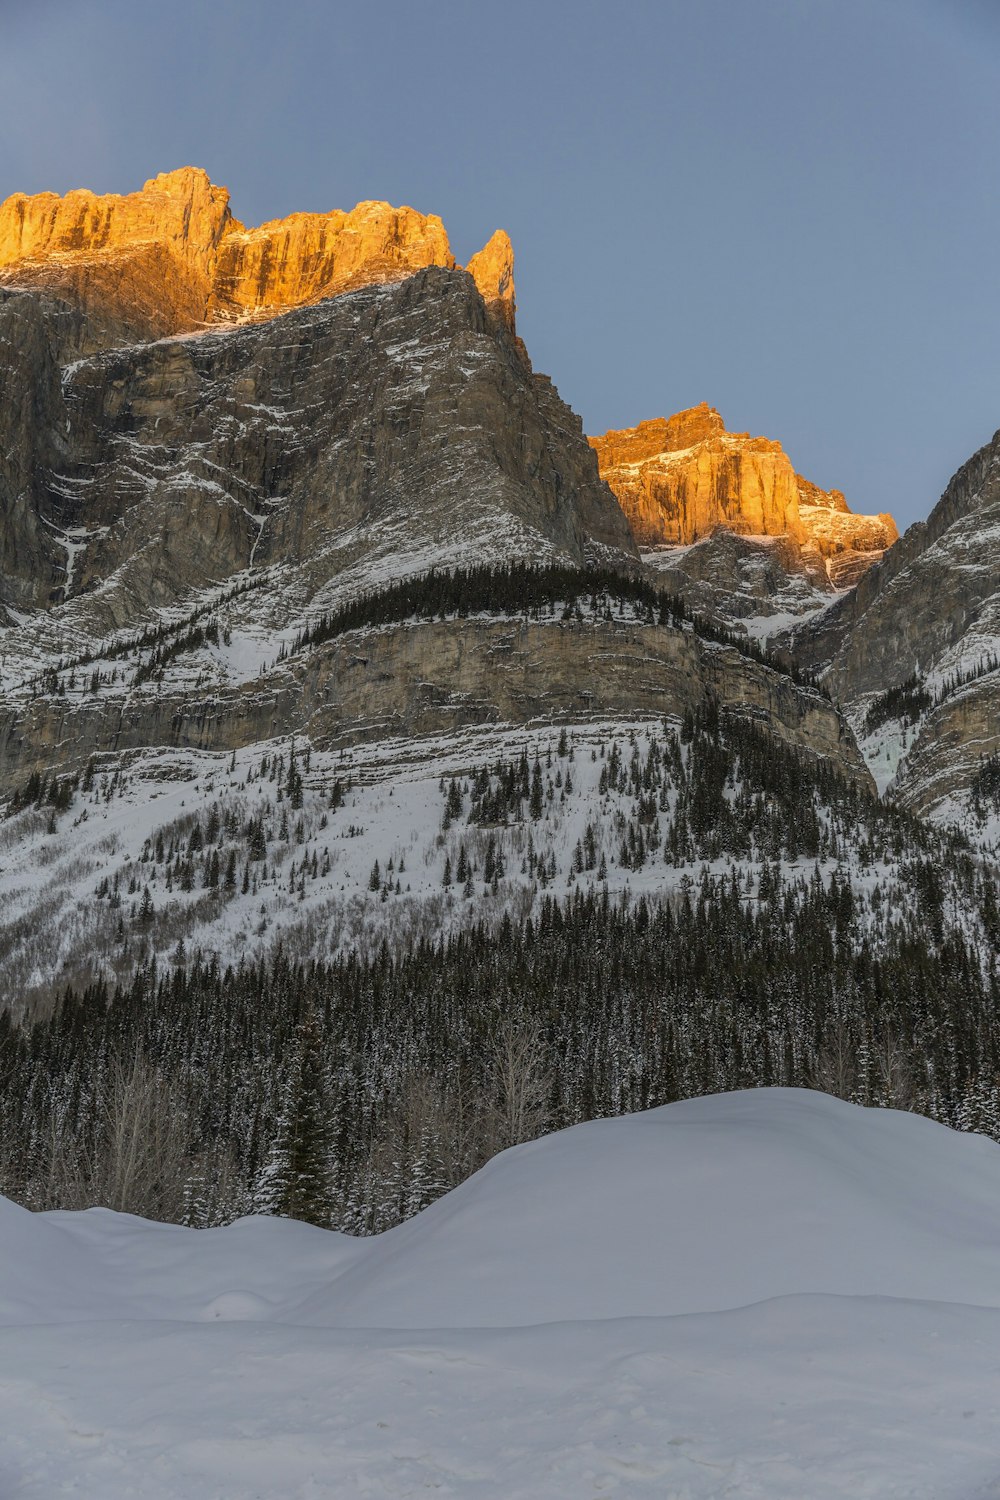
[331, 668]
[172, 259]
[689, 486]
[774, 1291]
[360, 425]
[206, 530]
[914, 653]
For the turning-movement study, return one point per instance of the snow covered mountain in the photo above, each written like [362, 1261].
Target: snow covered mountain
[768, 1293]
[211, 497]
[325, 643]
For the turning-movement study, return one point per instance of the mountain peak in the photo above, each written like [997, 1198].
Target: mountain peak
[171, 258]
[680, 478]
[492, 269]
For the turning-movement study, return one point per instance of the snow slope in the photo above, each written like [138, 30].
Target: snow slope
[758, 1294]
[56, 927]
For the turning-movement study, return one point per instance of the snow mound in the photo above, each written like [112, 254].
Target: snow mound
[708, 1204]
[769, 1293]
[699, 1206]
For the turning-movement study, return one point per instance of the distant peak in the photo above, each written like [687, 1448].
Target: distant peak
[492, 269]
[679, 478]
[182, 182]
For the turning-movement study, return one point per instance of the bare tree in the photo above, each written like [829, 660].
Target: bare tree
[141, 1163]
[836, 1067]
[892, 1070]
[518, 1084]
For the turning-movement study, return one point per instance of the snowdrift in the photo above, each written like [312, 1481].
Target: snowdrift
[757, 1293]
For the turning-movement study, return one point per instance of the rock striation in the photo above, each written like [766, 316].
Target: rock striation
[929, 613]
[434, 678]
[172, 259]
[680, 478]
[399, 422]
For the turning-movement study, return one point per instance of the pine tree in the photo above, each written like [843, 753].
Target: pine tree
[293, 786]
[535, 804]
[296, 1180]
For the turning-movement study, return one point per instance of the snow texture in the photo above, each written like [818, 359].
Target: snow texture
[768, 1294]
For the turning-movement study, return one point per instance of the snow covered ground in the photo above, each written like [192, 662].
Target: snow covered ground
[769, 1294]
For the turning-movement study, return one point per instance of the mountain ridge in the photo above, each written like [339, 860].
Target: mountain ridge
[172, 258]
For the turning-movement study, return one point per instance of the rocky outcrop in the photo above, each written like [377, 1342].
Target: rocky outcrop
[172, 259]
[680, 478]
[923, 597]
[492, 269]
[929, 610]
[401, 419]
[181, 211]
[138, 266]
[744, 582]
[433, 678]
[677, 480]
[849, 543]
[293, 262]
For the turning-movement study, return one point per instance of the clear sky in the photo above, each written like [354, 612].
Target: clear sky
[788, 208]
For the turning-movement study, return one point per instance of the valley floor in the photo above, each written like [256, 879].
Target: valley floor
[820, 1397]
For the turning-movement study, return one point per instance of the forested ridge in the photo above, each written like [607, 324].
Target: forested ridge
[525, 588]
[815, 936]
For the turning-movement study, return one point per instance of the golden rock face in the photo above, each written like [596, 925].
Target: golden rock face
[294, 261]
[182, 211]
[172, 259]
[679, 478]
[492, 269]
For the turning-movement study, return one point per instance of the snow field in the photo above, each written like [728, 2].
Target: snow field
[768, 1294]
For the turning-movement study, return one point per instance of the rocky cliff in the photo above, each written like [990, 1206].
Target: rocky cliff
[430, 679]
[928, 615]
[362, 436]
[172, 258]
[680, 478]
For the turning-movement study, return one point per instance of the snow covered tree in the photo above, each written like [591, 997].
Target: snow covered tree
[296, 1179]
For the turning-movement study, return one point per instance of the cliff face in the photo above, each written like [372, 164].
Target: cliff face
[679, 478]
[181, 211]
[138, 266]
[292, 262]
[929, 611]
[171, 258]
[430, 679]
[349, 438]
[492, 269]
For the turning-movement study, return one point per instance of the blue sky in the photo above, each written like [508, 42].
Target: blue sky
[788, 208]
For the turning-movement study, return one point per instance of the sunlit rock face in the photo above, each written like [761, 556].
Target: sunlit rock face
[492, 269]
[172, 258]
[292, 262]
[680, 478]
[850, 543]
[182, 211]
[136, 267]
